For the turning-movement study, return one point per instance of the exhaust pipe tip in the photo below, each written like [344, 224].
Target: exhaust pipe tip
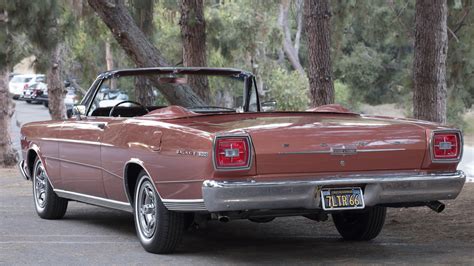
[223, 219]
[436, 206]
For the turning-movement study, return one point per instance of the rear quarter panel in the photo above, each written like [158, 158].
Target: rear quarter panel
[155, 145]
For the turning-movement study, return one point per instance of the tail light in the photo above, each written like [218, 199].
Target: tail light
[446, 146]
[232, 152]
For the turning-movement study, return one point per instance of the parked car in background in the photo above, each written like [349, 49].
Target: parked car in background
[214, 159]
[34, 93]
[19, 83]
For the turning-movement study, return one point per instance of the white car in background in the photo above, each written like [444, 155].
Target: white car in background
[21, 82]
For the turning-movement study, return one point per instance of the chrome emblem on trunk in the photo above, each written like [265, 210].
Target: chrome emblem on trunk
[192, 153]
[344, 150]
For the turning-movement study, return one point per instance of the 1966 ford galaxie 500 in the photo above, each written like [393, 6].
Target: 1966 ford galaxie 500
[175, 157]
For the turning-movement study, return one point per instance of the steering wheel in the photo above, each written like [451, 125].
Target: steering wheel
[132, 102]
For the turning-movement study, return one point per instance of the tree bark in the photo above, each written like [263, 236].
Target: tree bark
[143, 14]
[142, 52]
[291, 51]
[109, 60]
[317, 18]
[429, 67]
[56, 91]
[8, 156]
[193, 35]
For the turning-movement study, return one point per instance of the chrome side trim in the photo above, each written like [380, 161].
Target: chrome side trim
[332, 152]
[185, 205]
[82, 164]
[180, 181]
[461, 144]
[86, 142]
[98, 201]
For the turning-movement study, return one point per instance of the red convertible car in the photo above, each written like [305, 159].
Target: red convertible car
[190, 145]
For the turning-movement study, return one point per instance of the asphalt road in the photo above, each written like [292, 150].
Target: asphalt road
[93, 235]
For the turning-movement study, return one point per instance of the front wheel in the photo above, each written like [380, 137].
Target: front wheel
[158, 229]
[361, 226]
[47, 204]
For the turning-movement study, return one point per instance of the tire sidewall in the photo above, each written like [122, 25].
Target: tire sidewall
[40, 210]
[143, 239]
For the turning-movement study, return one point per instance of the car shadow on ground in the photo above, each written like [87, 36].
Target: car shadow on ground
[289, 240]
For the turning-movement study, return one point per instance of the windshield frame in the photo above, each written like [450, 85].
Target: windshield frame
[248, 82]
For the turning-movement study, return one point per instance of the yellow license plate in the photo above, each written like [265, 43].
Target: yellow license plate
[342, 198]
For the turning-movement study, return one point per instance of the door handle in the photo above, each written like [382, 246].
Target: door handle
[101, 125]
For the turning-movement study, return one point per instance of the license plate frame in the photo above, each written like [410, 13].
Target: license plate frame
[335, 203]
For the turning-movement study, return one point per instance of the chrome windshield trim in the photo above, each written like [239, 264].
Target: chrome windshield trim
[103, 202]
[335, 180]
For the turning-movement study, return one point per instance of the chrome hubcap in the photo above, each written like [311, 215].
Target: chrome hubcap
[40, 186]
[146, 209]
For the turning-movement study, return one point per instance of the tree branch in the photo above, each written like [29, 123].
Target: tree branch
[288, 47]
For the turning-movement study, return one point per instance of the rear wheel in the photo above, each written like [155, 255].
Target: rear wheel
[47, 204]
[158, 229]
[360, 225]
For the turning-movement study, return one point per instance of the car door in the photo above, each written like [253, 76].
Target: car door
[80, 155]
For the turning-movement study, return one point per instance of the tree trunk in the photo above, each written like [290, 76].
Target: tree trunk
[7, 108]
[142, 52]
[56, 91]
[290, 50]
[193, 35]
[429, 67]
[109, 60]
[143, 14]
[318, 25]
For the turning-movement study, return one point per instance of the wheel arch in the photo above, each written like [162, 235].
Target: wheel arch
[131, 172]
[31, 156]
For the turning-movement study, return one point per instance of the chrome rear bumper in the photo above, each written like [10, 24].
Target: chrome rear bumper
[386, 189]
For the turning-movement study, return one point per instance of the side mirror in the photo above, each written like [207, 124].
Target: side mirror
[78, 110]
[269, 106]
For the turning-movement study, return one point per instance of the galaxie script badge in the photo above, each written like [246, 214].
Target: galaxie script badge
[193, 153]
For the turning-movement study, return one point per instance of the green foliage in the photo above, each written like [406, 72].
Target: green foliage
[343, 96]
[288, 89]
[372, 46]
[361, 70]
[372, 49]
